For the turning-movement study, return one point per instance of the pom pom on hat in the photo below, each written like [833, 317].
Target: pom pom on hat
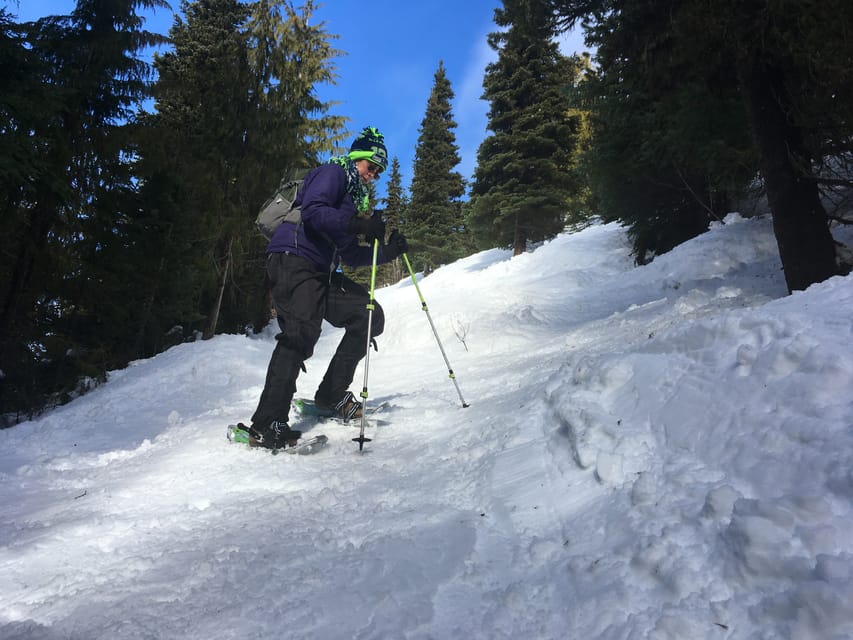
[369, 145]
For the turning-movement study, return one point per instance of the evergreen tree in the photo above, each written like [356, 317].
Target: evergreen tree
[204, 103]
[236, 105]
[674, 82]
[66, 123]
[396, 205]
[290, 57]
[582, 205]
[672, 148]
[523, 182]
[434, 216]
[797, 94]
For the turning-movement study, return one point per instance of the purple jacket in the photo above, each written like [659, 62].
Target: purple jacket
[324, 238]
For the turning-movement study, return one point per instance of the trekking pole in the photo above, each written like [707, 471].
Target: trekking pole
[434, 332]
[370, 306]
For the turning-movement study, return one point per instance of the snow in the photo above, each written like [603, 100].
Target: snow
[657, 452]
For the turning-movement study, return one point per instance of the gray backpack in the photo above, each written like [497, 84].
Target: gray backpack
[279, 208]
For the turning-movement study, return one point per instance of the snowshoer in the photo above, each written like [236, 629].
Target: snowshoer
[308, 287]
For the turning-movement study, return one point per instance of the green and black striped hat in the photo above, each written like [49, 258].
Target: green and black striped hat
[369, 145]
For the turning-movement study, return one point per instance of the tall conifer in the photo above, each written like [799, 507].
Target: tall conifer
[694, 98]
[522, 181]
[434, 216]
[236, 108]
[74, 82]
[396, 206]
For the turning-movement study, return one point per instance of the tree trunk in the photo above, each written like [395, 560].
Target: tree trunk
[213, 317]
[519, 239]
[799, 220]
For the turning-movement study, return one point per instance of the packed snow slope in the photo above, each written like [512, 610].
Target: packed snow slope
[659, 452]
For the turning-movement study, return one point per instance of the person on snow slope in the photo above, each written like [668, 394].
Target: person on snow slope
[308, 287]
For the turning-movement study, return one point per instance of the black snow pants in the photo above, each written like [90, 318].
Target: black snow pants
[303, 298]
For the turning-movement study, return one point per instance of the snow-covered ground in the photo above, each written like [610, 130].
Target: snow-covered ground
[654, 452]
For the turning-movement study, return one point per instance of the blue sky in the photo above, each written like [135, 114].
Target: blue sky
[393, 48]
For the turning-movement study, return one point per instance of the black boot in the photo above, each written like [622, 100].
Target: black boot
[276, 435]
[346, 408]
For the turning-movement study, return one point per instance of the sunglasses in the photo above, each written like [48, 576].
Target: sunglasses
[375, 169]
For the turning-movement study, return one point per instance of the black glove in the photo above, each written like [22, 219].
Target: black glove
[397, 245]
[372, 228]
